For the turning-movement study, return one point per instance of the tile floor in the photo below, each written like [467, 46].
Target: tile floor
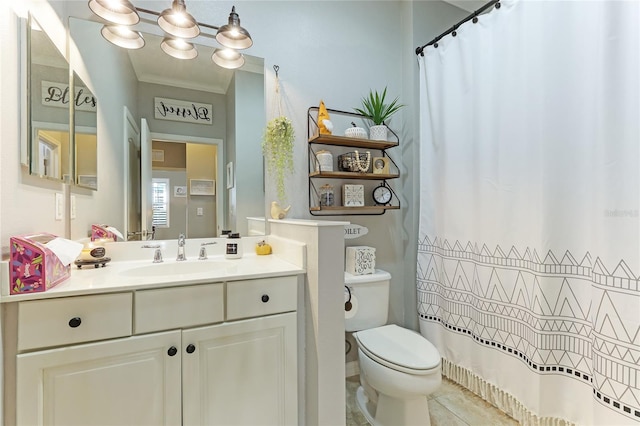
[451, 405]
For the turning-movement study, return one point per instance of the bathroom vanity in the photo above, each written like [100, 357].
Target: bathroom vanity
[209, 342]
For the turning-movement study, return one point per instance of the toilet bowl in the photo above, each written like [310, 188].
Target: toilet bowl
[398, 367]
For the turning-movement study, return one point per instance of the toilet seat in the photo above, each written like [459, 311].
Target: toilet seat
[399, 349]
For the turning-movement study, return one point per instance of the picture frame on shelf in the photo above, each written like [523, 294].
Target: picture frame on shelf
[380, 165]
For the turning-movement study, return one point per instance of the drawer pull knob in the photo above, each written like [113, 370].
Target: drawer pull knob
[191, 348]
[172, 351]
[265, 298]
[75, 322]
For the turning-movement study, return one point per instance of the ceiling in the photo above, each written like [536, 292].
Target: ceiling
[468, 5]
[152, 65]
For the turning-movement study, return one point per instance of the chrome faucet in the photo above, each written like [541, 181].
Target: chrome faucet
[203, 250]
[181, 242]
[157, 254]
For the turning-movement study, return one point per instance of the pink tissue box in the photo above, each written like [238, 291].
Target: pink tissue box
[100, 231]
[35, 268]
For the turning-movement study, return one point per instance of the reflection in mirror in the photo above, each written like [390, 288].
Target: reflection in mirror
[183, 181]
[48, 106]
[85, 135]
[148, 84]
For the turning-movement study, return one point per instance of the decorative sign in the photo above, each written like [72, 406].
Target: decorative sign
[157, 155]
[202, 187]
[184, 111]
[352, 195]
[352, 231]
[360, 260]
[57, 95]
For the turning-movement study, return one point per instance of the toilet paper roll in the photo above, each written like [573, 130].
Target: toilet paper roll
[354, 307]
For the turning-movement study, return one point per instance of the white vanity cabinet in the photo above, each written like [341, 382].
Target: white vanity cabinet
[131, 381]
[210, 354]
[241, 373]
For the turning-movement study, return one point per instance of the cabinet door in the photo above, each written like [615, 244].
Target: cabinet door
[241, 373]
[130, 381]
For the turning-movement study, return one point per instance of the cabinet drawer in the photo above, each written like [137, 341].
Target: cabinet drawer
[252, 298]
[54, 322]
[178, 307]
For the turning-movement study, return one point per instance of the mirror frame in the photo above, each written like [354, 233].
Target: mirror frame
[30, 127]
[77, 129]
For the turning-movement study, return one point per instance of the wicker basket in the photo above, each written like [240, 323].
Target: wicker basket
[347, 163]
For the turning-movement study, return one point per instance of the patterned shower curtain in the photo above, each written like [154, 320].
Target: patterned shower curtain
[529, 238]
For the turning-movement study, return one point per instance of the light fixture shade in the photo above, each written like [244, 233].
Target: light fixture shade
[233, 35]
[228, 58]
[177, 22]
[122, 36]
[120, 12]
[178, 48]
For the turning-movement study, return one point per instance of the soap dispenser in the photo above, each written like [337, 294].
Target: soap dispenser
[233, 246]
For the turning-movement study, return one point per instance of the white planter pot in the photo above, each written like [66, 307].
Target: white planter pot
[378, 133]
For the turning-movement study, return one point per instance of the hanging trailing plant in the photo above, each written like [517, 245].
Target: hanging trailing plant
[277, 148]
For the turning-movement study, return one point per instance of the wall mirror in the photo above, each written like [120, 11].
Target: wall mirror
[84, 107]
[48, 103]
[149, 84]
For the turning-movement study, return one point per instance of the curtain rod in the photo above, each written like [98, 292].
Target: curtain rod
[474, 16]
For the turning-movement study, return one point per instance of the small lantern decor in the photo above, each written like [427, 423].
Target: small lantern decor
[327, 196]
[325, 161]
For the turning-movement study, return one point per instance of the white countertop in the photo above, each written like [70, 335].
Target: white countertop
[128, 275]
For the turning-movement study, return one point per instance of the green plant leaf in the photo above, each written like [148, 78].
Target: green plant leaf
[375, 109]
[277, 148]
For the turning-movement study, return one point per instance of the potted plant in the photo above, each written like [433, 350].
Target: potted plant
[375, 109]
[277, 148]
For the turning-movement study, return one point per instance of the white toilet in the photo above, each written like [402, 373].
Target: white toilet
[398, 367]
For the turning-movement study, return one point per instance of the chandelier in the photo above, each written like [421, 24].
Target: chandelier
[179, 27]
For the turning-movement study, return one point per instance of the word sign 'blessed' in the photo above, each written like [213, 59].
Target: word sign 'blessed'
[184, 111]
[57, 95]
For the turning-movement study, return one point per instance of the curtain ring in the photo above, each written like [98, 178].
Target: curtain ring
[475, 18]
[498, 5]
[453, 31]
[435, 45]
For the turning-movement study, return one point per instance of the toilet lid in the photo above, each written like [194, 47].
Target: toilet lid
[399, 348]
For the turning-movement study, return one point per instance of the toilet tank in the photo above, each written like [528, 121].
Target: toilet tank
[369, 300]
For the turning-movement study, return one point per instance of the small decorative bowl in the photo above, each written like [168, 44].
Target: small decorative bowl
[356, 132]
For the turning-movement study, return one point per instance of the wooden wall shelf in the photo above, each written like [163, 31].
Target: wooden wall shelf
[315, 139]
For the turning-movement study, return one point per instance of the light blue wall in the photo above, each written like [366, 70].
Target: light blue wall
[248, 137]
[329, 50]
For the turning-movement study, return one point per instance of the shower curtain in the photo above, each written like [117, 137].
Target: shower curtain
[529, 236]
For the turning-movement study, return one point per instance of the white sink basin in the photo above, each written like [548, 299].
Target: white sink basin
[175, 268]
